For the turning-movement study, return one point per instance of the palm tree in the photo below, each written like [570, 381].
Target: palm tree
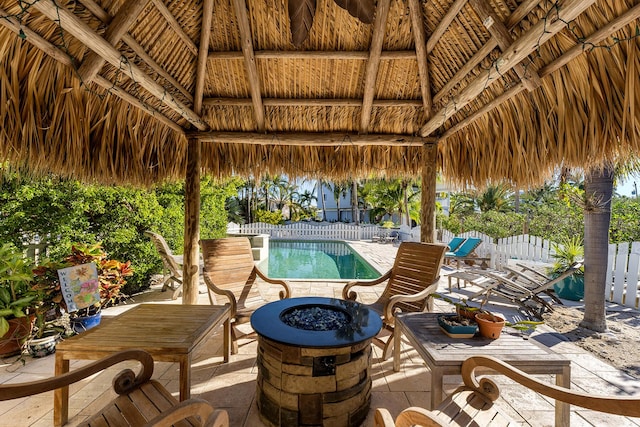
[339, 190]
[598, 185]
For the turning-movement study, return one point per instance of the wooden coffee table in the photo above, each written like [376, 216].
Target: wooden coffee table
[444, 355]
[169, 332]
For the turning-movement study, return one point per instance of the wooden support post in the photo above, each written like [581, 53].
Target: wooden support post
[428, 194]
[190, 276]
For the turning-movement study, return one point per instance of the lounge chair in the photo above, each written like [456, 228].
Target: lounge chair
[173, 280]
[229, 270]
[466, 253]
[477, 403]
[139, 401]
[455, 243]
[522, 289]
[410, 283]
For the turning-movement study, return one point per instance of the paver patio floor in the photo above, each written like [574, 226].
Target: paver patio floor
[231, 386]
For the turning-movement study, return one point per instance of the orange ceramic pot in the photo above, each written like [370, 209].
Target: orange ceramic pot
[489, 325]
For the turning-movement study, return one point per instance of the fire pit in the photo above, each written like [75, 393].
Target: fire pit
[314, 357]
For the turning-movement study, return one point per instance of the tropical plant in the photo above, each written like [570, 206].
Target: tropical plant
[566, 253]
[16, 297]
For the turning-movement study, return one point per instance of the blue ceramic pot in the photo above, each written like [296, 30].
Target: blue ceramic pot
[40, 347]
[571, 288]
[84, 323]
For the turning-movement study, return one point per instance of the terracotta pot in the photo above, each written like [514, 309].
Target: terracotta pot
[19, 330]
[489, 326]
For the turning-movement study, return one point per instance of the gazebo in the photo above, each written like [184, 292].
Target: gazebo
[143, 91]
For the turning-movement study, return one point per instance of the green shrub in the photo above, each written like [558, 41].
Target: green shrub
[269, 217]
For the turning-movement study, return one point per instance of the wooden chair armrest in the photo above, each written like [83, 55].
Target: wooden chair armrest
[508, 283]
[208, 416]
[389, 306]
[353, 295]
[413, 416]
[534, 271]
[286, 293]
[626, 406]
[125, 381]
[216, 290]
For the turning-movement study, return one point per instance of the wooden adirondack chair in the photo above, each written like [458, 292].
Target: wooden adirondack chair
[410, 282]
[229, 270]
[170, 264]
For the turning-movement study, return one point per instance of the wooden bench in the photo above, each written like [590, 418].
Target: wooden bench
[141, 401]
[477, 402]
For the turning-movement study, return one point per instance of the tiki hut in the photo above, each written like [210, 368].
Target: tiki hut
[142, 91]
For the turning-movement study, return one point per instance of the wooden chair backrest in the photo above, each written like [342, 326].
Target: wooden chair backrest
[229, 265]
[416, 267]
[165, 253]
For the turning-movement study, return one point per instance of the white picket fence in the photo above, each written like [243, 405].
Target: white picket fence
[622, 274]
[303, 230]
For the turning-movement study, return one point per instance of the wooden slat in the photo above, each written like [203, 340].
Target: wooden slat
[373, 64]
[84, 33]
[315, 54]
[63, 58]
[125, 17]
[240, 9]
[527, 43]
[101, 14]
[175, 25]
[309, 139]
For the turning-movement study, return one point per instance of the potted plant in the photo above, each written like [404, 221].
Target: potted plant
[16, 299]
[566, 253]
[489, 325]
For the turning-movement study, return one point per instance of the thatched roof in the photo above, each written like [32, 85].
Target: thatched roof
[112, 90]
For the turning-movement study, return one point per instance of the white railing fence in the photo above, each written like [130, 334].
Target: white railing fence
[302, 230]
[622, 274]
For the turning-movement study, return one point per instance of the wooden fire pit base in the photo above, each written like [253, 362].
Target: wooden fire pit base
[299, 386]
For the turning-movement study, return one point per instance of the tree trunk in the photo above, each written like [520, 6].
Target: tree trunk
[190, 276]
[597, 217]
[405, 201]
[324, 210]
[354, 202]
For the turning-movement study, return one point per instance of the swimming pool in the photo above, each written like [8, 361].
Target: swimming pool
[296, 259]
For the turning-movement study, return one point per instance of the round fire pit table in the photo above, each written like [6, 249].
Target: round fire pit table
[314, 358]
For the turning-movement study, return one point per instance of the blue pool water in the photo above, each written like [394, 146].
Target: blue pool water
[295, 259]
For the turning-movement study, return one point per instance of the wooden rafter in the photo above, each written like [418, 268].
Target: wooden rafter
[538, 34]
[175, 25]
[316, 54]
[118, 27]
[417, 28]
[613, 26]
[500, 32]
[240, 8]
[517, 15]
[62, 57]
[102, 15]
[201, 67]
[447, 19]
[74, 26]
[373, 64]
[310, 139]
[318, 102]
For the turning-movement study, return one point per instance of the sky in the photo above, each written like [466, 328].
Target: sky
[627, 188]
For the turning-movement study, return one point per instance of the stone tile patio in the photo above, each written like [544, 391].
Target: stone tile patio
[232, 386]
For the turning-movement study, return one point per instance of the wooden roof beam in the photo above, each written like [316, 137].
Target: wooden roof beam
[175, 25]
[417, 28]
[298, 102]
[126, 16]
[613, 26]
[201, 66]
[240, 8]
[373, 64]
[542, 31]
[443, 25]
[81, 31]
[316, 54]
[102, 15]
[310, 139]
[62, 57]
[517, 15]
[500, 32]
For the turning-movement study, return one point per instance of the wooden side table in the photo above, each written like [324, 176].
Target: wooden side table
[169, 332]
